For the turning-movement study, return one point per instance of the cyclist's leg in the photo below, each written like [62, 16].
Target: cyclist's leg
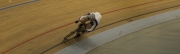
[81, 29]
[92, 26]
[88, 28]
[89, 25]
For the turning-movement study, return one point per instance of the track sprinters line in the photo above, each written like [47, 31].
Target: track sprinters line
[73, 23]
[117, 22]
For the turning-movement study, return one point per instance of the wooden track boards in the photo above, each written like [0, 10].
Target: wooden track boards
[35, 27]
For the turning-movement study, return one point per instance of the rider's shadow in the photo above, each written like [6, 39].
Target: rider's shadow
[82, 42]
[74, 40]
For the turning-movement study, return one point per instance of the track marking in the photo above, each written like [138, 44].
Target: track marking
[114, 23]
[73, 23]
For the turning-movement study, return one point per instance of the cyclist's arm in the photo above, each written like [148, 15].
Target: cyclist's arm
[82, 19]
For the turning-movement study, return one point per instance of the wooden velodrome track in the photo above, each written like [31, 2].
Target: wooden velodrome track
[35, 26]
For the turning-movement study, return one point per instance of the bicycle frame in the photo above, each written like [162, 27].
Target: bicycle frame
[80, 28]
